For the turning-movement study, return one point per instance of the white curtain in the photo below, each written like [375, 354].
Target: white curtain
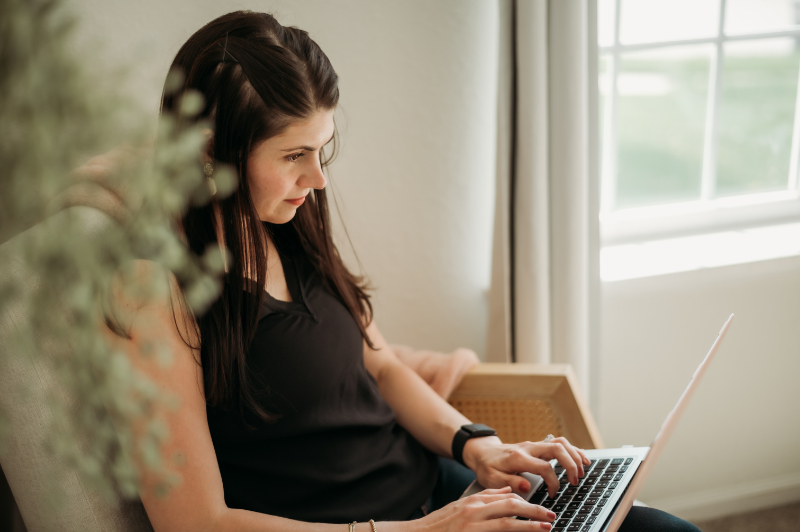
[545, 282]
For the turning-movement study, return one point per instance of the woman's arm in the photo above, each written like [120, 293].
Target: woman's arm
[433, 422]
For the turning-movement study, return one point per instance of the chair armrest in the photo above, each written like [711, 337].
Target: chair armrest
[526, 402]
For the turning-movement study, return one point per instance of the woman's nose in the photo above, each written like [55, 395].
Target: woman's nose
[315, 178]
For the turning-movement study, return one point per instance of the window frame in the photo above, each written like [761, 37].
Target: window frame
[706, 214]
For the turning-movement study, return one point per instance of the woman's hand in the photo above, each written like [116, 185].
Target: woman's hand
[497, 464]
[488, 511]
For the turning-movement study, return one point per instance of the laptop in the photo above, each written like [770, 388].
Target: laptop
[603, 497]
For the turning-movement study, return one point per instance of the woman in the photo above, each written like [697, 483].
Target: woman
[293, 410]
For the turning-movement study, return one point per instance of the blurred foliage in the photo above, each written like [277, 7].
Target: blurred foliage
[54, 118]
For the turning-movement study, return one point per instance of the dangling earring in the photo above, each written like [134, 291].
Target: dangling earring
[208, 170]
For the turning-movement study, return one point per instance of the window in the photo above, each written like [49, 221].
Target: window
[700, 130]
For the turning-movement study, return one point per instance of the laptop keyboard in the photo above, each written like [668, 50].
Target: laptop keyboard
[577, 507]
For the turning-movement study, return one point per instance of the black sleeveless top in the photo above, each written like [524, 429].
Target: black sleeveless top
[336, 454]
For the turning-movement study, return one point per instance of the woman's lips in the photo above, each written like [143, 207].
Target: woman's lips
[296, 202]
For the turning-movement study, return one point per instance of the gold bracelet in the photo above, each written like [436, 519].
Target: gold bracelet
[374, 528]
[353, 526]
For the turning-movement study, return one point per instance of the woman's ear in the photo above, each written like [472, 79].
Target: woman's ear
[207, 151]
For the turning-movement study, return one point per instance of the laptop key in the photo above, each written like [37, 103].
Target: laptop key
[612, 486]
[619, 477]
[567, 514]
[623, 469]
[574, 528]
[585, 509]
[591, 520]
[574, 505]
[612, 467]
[537, 498]
[584, 489]
[562, 522]
[628, 461]
[591, 501]
[558, 508]
[602, 502]
[579, 497]
[587, 528]
[548, 503]
[597, 511]
[617, 461]
[589, 481]
[596, 473]
[580, 518]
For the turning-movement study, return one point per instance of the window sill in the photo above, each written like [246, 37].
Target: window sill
[688, 253]
[673, 220]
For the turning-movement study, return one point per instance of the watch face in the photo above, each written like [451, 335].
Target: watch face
[478, 429]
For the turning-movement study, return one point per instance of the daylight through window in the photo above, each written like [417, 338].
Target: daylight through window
[698, 114]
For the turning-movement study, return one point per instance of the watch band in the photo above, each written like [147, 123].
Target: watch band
[467, 432]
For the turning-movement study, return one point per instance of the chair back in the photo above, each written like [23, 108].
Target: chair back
[46, 501]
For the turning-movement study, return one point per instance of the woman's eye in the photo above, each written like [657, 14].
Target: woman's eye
[293, 158]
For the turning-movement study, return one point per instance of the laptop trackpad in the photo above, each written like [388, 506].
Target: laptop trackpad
[535, 481]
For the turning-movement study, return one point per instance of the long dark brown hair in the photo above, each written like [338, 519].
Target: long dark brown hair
[257, 78]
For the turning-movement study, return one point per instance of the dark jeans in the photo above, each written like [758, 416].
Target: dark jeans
[455, 478]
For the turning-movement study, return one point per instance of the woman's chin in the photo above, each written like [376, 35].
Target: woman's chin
[282, 217]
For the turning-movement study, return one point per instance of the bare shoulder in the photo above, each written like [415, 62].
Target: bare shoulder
[145, 314]
[142, 291]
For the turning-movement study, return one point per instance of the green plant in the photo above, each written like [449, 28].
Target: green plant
[53, 118]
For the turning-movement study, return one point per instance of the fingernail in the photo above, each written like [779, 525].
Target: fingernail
[545, 526]
[524, 487]
[551, 515]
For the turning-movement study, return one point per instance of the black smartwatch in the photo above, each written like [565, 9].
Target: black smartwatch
[467, 432]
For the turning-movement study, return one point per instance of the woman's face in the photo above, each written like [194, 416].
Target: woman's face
[282, 170]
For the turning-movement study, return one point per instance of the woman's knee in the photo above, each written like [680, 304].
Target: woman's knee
[641, 519]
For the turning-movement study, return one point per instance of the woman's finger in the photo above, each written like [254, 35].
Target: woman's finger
[494, 497]
[492, 491]
[516, 507]
[516, 482]
[556, 450]
[509, 524]
[526, 461]
[573, 452]
[585, 458]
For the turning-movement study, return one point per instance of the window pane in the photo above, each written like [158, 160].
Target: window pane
[752, 16]
[662, 106]
[605, 22]
[756, 115]
[662, 20]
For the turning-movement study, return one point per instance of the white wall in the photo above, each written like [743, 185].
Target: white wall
[738, 446]
[415, 175]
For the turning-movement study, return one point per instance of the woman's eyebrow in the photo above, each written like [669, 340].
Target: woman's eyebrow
[307, 148]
